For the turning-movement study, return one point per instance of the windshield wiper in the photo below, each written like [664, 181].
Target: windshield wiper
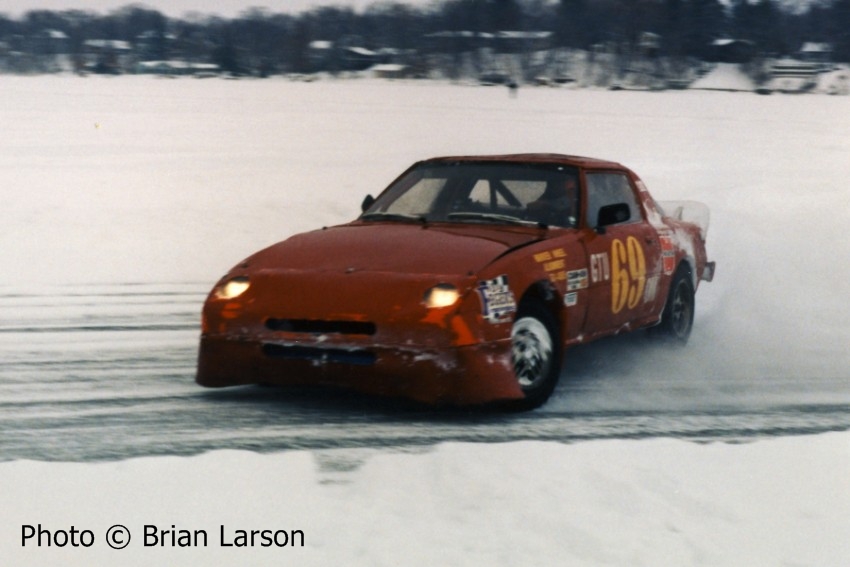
[401, 217]
[491, 217]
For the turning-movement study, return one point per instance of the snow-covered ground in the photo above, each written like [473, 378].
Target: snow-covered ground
[619, 503]
[139, 180]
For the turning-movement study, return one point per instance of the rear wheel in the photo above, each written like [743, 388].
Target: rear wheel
[678, 318]
[535, 354]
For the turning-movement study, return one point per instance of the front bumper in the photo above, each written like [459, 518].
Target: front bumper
[456, 375]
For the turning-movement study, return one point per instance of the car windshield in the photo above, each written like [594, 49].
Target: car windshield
[488, 192]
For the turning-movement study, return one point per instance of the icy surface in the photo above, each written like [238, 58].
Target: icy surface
[160, 186]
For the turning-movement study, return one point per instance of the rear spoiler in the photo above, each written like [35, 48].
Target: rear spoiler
[688, 211]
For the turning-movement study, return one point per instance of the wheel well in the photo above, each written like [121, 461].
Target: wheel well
[545, 293]
[687, 264]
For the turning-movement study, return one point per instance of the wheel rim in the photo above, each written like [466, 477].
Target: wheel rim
[680, 316]
[531, 351]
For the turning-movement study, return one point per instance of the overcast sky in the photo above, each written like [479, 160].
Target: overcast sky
[226, 8]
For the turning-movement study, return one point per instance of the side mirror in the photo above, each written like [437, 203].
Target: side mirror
[613, 214]
[367, 202]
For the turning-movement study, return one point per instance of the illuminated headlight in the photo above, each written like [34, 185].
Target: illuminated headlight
[441, 295]
[232, 288]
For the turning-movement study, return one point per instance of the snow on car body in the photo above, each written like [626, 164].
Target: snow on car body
[461, 283]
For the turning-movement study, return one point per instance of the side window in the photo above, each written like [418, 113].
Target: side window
[609, 189]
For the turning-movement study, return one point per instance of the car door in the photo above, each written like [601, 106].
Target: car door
[623, 254]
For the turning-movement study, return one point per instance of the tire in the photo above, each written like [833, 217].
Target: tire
[535, 354]
[678, 317]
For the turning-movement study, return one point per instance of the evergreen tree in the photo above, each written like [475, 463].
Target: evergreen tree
[704, 22]
[572, 24]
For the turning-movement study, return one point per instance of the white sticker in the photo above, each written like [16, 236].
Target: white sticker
[577, 279]
[600, 269]
[497, 299]
[571, 299]
[651, 289]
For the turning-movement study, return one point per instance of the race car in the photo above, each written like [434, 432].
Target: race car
[462, 283]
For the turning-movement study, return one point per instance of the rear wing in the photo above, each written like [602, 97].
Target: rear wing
[688, 211]
[696, 213]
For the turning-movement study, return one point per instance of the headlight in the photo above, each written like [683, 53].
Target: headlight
[232, 288]
[441, 295]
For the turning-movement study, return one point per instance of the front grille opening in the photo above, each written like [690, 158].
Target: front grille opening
[342, 356]
[319, 327]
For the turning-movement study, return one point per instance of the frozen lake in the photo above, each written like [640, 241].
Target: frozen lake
[126, 198]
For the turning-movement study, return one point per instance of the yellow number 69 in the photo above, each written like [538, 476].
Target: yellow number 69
[628, 274]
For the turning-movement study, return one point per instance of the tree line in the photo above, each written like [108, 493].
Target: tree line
[259, 41]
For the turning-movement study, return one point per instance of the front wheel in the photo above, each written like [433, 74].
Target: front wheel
[535, 354]
[678, 317]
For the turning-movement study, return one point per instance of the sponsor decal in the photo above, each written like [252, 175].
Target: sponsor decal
[497, 299]
[571, 299]
[651, 290]
[577, 279]
[668, 253]
[553, 263]
[600, 267]
[549, 255]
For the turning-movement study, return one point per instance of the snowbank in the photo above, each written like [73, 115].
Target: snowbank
[835, 82]
[656, 502]
[725, 77]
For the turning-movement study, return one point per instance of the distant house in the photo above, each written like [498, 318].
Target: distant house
[649, 44]
[108, 46]
[341, 56]
[176, 68]
[322, 55]
[732, 50]
[321, 46]
[153, 44]
[50, 42]
[107, 56]
[391, 71]
[358, 58]
[820, 53]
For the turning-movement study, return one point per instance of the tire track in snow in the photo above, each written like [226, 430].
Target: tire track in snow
[106, 372]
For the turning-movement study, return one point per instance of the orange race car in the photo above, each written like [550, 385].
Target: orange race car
[461, 283]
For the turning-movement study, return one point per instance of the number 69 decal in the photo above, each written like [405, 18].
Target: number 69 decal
[628, 274]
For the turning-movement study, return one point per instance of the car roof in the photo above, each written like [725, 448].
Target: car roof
[559, 159]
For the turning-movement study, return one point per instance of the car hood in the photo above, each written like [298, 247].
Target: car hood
[395, 248]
